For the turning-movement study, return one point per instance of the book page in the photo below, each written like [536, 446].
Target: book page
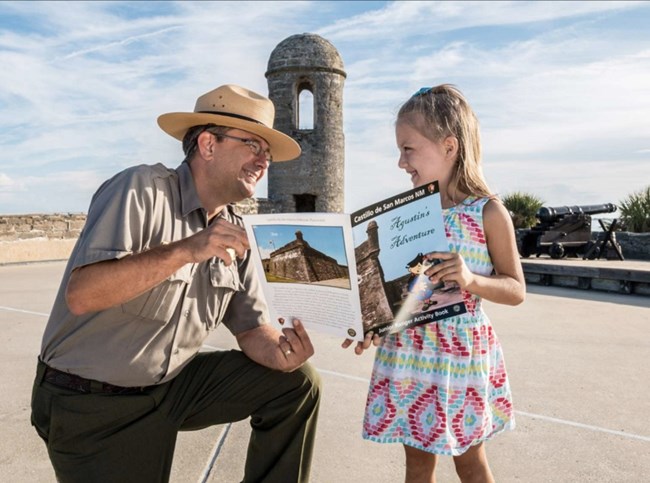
[392, 241]
[309, 271]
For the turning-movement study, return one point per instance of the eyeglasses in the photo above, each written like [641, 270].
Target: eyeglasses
[253, 144]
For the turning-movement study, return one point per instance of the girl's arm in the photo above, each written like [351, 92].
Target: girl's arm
[507, 285]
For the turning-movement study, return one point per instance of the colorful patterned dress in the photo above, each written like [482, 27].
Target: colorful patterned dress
[442, 387]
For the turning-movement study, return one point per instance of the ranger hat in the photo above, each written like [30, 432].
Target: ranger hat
[236, 107]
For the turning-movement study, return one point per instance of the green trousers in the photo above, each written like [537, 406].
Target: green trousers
[99, 437]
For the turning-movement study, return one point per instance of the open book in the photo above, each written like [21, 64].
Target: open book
[349, 274]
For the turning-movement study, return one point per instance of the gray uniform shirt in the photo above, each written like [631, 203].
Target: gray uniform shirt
[149, 339]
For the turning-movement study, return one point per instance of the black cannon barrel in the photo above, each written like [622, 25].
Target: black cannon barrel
[548, 214]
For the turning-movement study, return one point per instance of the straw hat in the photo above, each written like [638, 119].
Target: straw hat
[235, 107]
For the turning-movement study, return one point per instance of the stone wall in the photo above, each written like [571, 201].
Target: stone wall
[39, 237]
[28, 238]
[375, 303]
[635, 246]
[26, 227]
[297, 260]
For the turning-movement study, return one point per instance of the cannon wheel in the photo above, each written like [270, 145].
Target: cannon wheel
[556, 251]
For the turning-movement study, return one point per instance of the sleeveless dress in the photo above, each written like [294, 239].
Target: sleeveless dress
[442, 387]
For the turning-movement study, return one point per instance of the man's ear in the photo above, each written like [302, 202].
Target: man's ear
[205, 143]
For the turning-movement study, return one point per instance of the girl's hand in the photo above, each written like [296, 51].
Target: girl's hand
[451, 268]
[365, 344]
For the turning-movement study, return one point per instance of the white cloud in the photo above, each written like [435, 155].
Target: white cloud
[559, 100]
[7, 184]
[558, 90]
[406, 19]
[63, 191]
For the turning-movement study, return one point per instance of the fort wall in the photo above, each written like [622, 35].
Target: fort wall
[38, 237]
[46, 237]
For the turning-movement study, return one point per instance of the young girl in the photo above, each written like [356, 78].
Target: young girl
[441, 388]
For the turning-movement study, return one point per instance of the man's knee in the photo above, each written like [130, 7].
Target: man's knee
[291, 398]
[311, 381]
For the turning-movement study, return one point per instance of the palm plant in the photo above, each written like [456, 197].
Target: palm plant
[635, 211]
[522, 208]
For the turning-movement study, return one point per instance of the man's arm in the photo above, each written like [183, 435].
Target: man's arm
[283, 351]
[101, 285]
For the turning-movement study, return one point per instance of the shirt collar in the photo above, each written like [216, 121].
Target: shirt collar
[189, 197]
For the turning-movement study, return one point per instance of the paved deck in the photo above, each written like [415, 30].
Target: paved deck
[627, 276]
[578, 363]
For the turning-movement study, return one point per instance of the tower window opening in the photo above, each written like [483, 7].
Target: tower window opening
[305, 107]
[305, 203]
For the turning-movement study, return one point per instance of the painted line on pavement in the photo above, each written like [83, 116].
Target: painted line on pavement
[523, 413]
[214, 454]
[583, 426]
[520, 413]
[345, 376]
[10, 309]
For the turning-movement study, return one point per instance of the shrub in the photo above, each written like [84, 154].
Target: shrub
[522, 208]
[635, 211]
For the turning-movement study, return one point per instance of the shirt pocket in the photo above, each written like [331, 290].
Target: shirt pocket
[224, 284]
[160, 302]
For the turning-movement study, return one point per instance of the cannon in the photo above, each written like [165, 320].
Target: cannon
[565, 231]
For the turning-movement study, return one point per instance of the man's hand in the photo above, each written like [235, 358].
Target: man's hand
[105, 284]
[363, 345]
[284, 351]
[295, 342]
[221, 239]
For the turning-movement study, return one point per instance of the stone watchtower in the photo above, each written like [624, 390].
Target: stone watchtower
[305, 77]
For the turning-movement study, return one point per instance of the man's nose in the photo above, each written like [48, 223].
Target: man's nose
[262, 161]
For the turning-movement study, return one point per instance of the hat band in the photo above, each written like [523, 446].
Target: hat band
[229, 114]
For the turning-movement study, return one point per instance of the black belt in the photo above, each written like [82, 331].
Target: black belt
[86, 386]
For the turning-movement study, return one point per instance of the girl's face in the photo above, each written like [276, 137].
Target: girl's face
[422, 159]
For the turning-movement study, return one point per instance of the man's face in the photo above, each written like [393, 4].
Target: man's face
[236, 166]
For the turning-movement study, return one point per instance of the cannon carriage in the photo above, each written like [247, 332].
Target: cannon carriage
[566, 231]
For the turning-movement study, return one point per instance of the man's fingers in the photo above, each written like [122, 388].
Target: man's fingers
[229, 235]
[228, 255]
[222, 239]
[298, 337]
[286, 347]
[237, 244]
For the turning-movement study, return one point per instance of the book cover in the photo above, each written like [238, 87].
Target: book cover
[393, 239]
[349, 274]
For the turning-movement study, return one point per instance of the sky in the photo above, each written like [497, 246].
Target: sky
[561, 89]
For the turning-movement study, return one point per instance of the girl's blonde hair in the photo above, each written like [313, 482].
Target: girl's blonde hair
[442, 111]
